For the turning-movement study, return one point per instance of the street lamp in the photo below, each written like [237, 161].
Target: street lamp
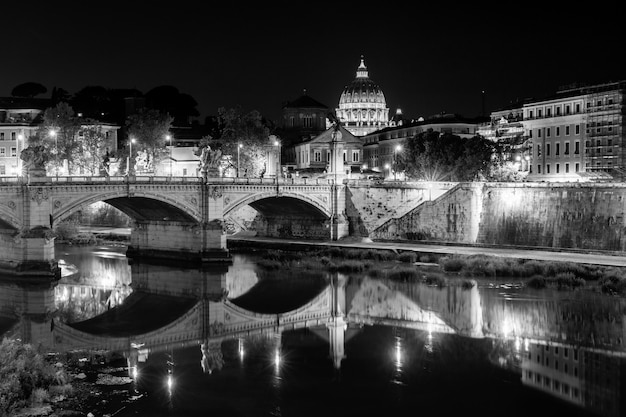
[53, 133]
[20, 138]
[277, 144]
[239, 146]
[130, 156]
[169, 138]
[395, 160]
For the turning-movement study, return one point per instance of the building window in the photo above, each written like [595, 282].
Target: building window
[558, 168]
[3, 151]
[345, 156]
[558, 110]
[566, 130]
[184, 172]
[307, 121]
[566, 148]
[13, 151]
[317, 156]
[547, 168]
[328, 156]
[530, 133]
[549, 112]
[538, 112]
[578, 108]
[1, 135]
[548, 132]
[538, 133]
[566, 168]
[558, 131]
[558, 149]
[538, 169]
[538, 150]
[567, 109]
[530, 114]
[3, 170]
[576, 148]
[13, 135]
[547, 149]
[355, 156]
[577, 130]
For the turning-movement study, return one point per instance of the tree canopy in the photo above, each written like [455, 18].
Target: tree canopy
[29, 89]
[248, 130]
[433, 156]
[167, 99]
[150, 128]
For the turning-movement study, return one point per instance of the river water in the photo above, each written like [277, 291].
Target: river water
[244, 340]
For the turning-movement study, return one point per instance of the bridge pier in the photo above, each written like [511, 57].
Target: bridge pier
[170, 241]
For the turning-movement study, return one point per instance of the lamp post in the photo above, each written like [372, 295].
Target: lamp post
[20, 138]
[239, 146]
[53, 133]
[397, 149]
[130, 156]
[169, 138]
[277, 144]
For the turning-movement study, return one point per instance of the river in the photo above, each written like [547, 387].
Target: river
[245, 340]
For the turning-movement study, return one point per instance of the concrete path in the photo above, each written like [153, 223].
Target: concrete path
[587, 257]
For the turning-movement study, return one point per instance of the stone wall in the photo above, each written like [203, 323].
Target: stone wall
[557, 215]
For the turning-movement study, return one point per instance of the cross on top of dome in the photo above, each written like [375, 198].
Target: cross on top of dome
[361, 72]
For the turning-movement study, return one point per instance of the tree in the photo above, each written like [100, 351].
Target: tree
[29, 89]
[432, 156]
[59, 133]
[91, 156]
[93, 102]
[167, 99]
[249, 130]
[150, 128]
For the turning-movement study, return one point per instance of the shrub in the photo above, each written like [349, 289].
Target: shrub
[568, 280]
[25, 376]
[451, 264]
[408, 257]
[434, 280]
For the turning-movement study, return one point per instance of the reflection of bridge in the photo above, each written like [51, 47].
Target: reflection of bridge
[180, 218]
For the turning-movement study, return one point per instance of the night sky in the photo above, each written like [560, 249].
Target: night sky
[426, 59]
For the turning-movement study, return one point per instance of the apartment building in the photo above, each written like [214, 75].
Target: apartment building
[20, 118]
[576, 134]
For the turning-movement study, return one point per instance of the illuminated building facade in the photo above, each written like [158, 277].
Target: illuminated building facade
[21, 118]
[575, 135]
[362, 106]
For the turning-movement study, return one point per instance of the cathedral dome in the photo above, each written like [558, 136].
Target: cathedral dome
[362, 106]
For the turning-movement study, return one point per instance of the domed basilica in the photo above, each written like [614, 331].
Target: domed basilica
[362, 106]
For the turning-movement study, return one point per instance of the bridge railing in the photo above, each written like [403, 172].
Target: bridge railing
[141, 179]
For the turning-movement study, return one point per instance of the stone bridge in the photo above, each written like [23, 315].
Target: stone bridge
[174, 218]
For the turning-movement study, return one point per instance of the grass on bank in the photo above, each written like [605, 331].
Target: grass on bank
[452, 268]
[27, 379]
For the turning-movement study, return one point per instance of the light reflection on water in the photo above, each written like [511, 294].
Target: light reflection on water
[393, 347]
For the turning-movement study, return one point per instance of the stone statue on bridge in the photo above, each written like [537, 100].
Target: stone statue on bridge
[35, 158]
[209, 161]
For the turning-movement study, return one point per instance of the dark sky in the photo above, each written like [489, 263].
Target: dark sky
[426, 59]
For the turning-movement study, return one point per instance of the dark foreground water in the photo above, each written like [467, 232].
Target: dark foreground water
[244, 341]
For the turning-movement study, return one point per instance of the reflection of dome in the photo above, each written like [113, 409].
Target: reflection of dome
[362, 106]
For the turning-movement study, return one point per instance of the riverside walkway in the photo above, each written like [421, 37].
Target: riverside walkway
[541, 254]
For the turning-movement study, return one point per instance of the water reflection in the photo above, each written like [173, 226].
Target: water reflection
[267, 342]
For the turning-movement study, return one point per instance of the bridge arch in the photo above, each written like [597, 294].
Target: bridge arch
[8, 220]
[141, 205]
[312, 205]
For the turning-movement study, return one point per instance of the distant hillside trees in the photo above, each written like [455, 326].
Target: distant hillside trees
[29, 89]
